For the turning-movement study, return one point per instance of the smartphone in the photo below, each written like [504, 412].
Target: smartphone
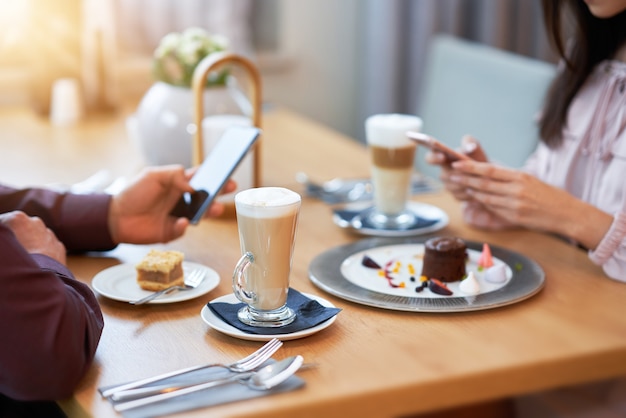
[215, 171]
[434, 145]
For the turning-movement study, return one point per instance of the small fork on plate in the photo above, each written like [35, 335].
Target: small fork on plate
[192, 281]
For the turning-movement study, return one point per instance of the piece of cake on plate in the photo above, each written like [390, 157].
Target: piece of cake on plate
[159, 270]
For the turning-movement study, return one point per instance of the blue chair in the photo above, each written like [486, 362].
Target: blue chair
[470, 88]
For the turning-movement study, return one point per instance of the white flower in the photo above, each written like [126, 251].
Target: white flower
[220, 42]
[169, 44]
[196, 33]
[191, 52]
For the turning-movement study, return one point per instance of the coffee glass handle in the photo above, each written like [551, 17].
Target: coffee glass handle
[239, 279]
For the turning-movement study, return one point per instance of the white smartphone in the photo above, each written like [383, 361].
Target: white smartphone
[434, 145]
[215, 171]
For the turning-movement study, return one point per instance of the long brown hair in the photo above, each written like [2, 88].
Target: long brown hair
[593, 40]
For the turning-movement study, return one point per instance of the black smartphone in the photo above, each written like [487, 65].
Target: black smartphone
[214, 171]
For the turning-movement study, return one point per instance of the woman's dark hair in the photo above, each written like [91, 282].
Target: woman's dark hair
[593, 40]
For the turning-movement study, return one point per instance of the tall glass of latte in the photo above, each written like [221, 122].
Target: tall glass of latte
[267, 219]
[392, 155]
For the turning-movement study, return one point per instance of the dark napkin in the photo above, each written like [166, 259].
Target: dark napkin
[359, 215]
[309, 313]
[232, 392]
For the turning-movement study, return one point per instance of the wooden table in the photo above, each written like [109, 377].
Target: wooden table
[370, 362]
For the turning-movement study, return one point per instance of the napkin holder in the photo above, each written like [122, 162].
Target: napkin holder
[211, 63]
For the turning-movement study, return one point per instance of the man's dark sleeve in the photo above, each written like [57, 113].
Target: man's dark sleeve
[50, 323]
[80, 222]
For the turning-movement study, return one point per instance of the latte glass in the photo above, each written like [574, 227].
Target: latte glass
[267, 219]
[392, 155]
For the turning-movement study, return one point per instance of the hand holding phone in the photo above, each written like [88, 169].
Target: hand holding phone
[437, 146]
[215, 171]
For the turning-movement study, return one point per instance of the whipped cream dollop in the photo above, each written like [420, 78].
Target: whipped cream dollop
[496, 274]
[470, 285]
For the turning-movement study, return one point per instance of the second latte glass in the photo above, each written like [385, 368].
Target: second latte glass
[392, 155]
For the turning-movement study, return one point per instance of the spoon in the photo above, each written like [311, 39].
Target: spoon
[264, 379]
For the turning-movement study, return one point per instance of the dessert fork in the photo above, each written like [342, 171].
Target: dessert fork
[192, 281]
[246, 364]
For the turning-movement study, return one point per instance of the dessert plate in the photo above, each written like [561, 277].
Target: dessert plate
[219, 325]
[350, 217]
[340, 272]
[120, 283]
[401, 266]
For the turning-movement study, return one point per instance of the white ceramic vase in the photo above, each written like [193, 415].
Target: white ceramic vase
[163, 125]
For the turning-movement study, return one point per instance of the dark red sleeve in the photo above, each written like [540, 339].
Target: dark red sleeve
[50, 325]
[79, 221]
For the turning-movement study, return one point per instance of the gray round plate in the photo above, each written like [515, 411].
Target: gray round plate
[325, 272]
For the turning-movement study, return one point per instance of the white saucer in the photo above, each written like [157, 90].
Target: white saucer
[218, 324]
[347, 217]
[120, 283]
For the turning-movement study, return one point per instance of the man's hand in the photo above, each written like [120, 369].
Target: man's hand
[140, 214]
[34, 236]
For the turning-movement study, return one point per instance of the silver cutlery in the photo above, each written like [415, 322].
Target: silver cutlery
[191, 282]
[264, 379]
[338, 191]
[246, 364]
[335, 190]
[127, 395]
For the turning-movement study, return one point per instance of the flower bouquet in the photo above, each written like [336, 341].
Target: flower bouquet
[178, 54]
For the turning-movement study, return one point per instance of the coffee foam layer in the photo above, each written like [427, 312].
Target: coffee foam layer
[389, 130]
[267, 202]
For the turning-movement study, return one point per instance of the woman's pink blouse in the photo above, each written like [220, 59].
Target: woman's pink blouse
[591, 163]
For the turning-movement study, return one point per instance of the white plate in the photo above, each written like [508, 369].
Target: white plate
[120, 283]
[348, 217]
[218, 323]
[403, 265]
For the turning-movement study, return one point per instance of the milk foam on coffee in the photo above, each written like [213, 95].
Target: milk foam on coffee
[266, 202]
[389, 130]
[267, 219]
[392, 159]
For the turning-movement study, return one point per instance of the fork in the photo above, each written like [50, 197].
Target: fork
[245, 364]
[191, 282]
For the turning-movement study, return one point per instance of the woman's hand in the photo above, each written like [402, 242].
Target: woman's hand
[140, 214]
[521, 199]
[469, 146]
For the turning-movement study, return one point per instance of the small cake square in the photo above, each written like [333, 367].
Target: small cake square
[160, 269]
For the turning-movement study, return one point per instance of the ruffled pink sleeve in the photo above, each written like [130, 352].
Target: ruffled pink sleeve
[611, 252]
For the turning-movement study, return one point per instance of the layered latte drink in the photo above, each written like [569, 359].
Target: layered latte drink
[267, 220]
[392, 156]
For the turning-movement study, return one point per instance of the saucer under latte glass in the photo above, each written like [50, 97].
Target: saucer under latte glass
[391, 157]
[267, 219]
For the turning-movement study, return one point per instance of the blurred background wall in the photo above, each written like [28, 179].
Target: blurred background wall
[334, 61]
